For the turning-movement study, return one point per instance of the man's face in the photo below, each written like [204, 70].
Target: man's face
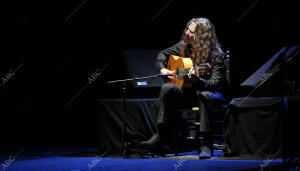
[190, 32]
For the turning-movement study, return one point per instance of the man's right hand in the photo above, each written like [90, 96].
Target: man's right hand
[166, 71]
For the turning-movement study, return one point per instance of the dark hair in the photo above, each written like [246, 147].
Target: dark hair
[206, 42]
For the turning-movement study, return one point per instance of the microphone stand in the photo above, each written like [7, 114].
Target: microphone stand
[123, 106]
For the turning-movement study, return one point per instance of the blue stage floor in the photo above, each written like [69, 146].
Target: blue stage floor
[80, 160]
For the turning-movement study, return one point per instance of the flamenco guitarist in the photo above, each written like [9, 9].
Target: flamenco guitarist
[199, 43]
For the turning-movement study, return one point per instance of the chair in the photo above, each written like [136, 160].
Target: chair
[191, 117]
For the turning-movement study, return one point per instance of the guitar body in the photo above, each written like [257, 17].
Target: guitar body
[175, 63]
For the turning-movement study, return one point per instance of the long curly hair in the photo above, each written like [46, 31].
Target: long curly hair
[205, 44]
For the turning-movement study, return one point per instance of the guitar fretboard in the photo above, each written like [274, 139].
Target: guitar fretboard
[201, 70]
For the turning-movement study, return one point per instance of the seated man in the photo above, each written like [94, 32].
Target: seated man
[199, 42]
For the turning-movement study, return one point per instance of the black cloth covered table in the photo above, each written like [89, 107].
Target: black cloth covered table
[140, 119]
[262, 127]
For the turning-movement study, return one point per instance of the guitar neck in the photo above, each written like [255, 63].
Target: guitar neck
[184, 71]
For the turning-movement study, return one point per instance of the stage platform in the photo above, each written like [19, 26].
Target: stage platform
[83, 159]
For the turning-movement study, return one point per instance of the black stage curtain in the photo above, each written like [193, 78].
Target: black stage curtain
[261, 127]
[140, 118]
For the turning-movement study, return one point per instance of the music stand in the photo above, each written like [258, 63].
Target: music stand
[123, 107]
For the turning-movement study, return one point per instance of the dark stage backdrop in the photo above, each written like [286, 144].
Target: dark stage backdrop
[53, 53]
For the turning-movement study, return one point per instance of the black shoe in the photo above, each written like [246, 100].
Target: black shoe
[163, 150]
[156, 146]
[227, 152]
[205, 152]
[152, 143]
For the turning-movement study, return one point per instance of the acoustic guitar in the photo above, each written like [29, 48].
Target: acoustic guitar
[182, 66]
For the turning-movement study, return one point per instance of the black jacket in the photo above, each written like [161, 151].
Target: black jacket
[215, 82]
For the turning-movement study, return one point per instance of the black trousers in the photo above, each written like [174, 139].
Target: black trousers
[172, 97]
